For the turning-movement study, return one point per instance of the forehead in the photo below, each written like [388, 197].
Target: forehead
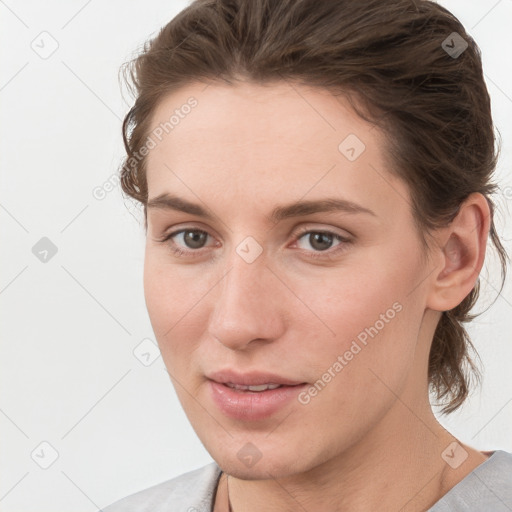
[247, 115]
[282, 138]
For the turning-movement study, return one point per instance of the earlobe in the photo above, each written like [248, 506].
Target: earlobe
[461, 252]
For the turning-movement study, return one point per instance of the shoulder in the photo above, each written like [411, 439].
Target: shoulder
[487, 487]
[192, 491]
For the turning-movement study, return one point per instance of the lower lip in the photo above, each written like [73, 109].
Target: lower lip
[252, 405]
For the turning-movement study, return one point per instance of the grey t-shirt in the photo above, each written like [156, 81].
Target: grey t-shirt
[488, 488]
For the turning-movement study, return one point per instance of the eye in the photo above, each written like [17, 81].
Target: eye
[189, 242]
[321, 241]
[186, 241]
[193, 239]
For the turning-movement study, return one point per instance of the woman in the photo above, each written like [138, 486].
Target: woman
[316, 181]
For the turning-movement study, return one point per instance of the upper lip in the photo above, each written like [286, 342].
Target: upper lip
[253, 378]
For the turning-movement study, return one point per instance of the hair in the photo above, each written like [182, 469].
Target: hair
[389, 60]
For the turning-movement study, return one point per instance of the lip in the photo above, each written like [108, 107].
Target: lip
[249, 405]
[253, 378]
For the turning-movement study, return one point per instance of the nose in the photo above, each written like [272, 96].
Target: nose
[248, 305]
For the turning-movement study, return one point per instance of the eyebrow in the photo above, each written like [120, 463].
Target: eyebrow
[297, 209]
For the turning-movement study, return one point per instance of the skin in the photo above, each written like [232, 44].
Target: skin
[242, 151]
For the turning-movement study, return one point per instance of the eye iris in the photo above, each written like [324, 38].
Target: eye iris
[194, 239]
[320, 241]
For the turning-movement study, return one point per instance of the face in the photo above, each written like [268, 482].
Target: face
[287, 248]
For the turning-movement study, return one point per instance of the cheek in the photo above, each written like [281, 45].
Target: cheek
[173, 296]
[368, 314]
[348, 300]
[370, 355]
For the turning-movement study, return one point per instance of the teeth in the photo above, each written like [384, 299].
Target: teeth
[262, 387]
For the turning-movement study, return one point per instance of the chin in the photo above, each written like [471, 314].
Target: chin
[260, 471]
[275, 464]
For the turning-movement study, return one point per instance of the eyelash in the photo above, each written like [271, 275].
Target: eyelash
[327, 254]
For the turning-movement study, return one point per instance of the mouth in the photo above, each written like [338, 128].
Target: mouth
[253, 402]
[253, 379]
[253, 389]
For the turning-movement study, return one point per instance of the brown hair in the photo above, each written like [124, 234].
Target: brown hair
[394, 61]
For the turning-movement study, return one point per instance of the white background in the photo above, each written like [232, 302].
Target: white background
[69, 326]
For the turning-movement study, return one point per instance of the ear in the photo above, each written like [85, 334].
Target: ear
[460, 250]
